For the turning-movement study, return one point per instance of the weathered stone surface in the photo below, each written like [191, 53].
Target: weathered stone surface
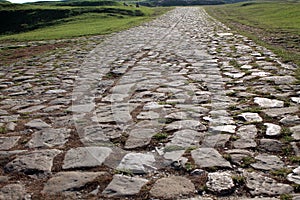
[215, 140]
[280, 80]
[295, 176]
[49, 138]
[69, 181]
[148, 115]
[86, 157]
[185, 124]
[139, 138]
[209, 157]
[185, 138]
[13, 192]
[296, 99]
[137, 163]
[122, 186]
[296, 132]
[268, 103]
[267, 162]
[263, 185]
[290, 120]
[277, 112]
[224, 128]
[251, 117]
[272, 129]
[270, 145]
[8, 142]
[36, 161]
[220, 183]
[37, 124]
[172, 187]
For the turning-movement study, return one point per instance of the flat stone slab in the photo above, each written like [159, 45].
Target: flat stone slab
[172, 187]
[7, 143]
[277, 112]
[263, 185]
[32, 109]
[296, 132]
[222, 128]
[69, 181]
[13, 192]
[122, 186]
[49, 138]
[36, 161]
[139, 138]
[209, 157]
[37, 124]
[86, 157]
[267, 162]
[295, 176]
[270, 145]
[251, 117]
[137, 163]
[268, 103]
[185, 138]
[296, 99]
[220, 183]
[215, 140]
[148, 115]
[185, 124]
[280, 80]
[272, 129]
[247, 131]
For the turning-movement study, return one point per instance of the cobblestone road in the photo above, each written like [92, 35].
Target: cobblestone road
[177, 108]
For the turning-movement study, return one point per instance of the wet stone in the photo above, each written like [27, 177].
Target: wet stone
[209, 157]
[7, 143]
[138, 163]
[263, 185]
[122, 186]
[172, 187]
[49, 138]
[267, 162]
[69, 181]
[86, 157]
[272, 129]
[39, 161]
[220, 183]
[268, 103]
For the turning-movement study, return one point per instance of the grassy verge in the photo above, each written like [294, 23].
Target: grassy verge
[275, 25]
[87, 21]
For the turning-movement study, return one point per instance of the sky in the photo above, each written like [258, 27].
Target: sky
[25, 1]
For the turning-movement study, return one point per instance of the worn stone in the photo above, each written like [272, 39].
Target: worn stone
[122, 186]
[268, 103]
[295, 176]
[137, 163]
[37, 124]
[172, 187]
[7, 143]
[220, 183]
[272, 129]
[186, 124]
[267, 162]
[209, 157]
[13, 192]
[251, 117]
[277, 112]
[270, 145]
[296, 132]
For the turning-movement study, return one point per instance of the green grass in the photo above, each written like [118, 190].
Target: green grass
[275, 25]
[90, 23]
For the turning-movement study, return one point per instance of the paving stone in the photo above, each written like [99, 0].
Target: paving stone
[7, 143]
[215, 140]
[296, 132]
[139, 137]
[122, 186]
[296, 99]
[85, 157]
[268, 103]
[32, 109]
[137, 163]
[263, 185]
[272, 129]
[37, 124]
[224, 128]
[277, 112]
[172, 187]
[148, 115]
[267, 162]
[49, 138]
[185, 124]
[270, 145]
[220, 183]
[295, 176]
[209, 157]
[290, 120]
[69, 181]
[251, 117]
[280, 80]
[13, 192]
[39, 161]
[185, 138]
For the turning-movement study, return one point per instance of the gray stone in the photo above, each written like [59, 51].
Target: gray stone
[32, 109]
[296, 132]
[209, 157]
[139, 137]
[68, 181]
[290, 120]
[280, 80]
[172, 187]
[36, 161]
[49, 138]
[295, 176]
[215, 140]
[268, 103]
[263, 185]
[296, 99]
[267, 162]
[85, 157]
[37, 124]
[185, 124]
[58, 91]
[185, 138]
[148, 115]
[247, 131]
[244, 143]
[270, 145]
[220, 183]
[277, 112]
[81, 108]
[251, 117]
[12, 192]
[223, 128]
[7, 143]
[272, 129]
[237, 155]
[138, 163]
[122, 186]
